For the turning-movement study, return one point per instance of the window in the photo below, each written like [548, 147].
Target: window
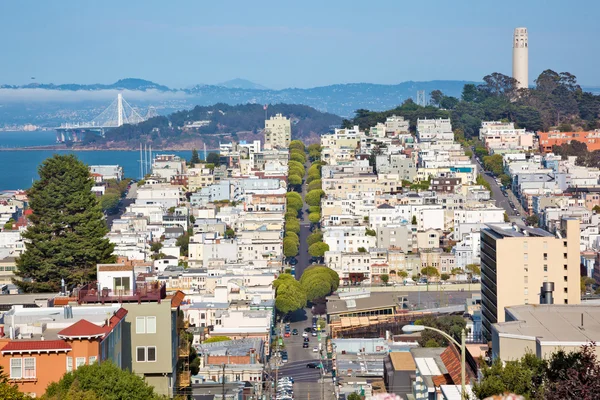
[565, 278]
[566, 291]
[565, 255]
[79, 361]
[29, 368]
[140, 325]
[16, 371]
[150, 324]
[545, 256]
[151, 353]
[69, 364]
[565, 267]
[141, 354]
[566, 301]
[545, 268]
[92, 360]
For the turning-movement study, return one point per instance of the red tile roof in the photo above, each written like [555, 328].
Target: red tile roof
[177, 299]
[36, 346]
[29, 211]
[82, 329]
[88, 330]
[451, 359]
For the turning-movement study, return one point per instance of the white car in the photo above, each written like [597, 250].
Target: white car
[316, 349]
[304, 334]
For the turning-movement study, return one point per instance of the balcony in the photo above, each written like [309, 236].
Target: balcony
[184, 350]
[184, 379]
[143, 292]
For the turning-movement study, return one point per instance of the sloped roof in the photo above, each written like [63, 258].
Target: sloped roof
[177, 299]
[36, 346]
[82, 329]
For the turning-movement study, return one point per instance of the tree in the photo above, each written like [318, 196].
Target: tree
[292, 226]
[290, 247]
[104, 380]
[66, 238]
[296, 145]
[319, 281]
[436, 97]
[156, 246]
[314, 217]
[585, 282]
[354, 396]
[9, 225]
[316, 236]
[413, 221]
[297, 156]
[195, 158]
[229, 233]
[289, 295]
[384, 278]
[532, 220]
[506, 217]
[473, 269]
[596, 209]
[452, 325]
[494, 163]
[314, 209]
[457, 271]
[183, 242]
[362, 250]
[295, 180]
[213, 158]
[313, 198]
[403, 274]
[295, 204]
[215, 339]
[293, 236]
[318, 249]
[445, 277]
[370, 232]
[430, 271]
[10, 391]
[110, 202]
[316, 184]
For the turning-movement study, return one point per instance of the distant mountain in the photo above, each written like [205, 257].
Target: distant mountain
[121, 84]
[239, 83]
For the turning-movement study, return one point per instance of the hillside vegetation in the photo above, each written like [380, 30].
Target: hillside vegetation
[556, 102]
[225, 120]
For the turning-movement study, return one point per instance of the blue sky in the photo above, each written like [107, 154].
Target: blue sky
[291, 43]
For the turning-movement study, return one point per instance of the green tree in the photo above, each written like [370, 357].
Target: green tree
[452, 325]
[9, 225]
[506, 217]
[480, 180]
[585, 282]
[295, 180]
[9, 391]
[297, 156]
[294, 203]
[430, 271]
[413, 221]
[293, 236]
[473, 269]
[314, 217]
[110, 202]
[296, 164]
[457, 271]
[370, 232]
[105, 380]
[314, 209]
[354, 396]
[183, 242]
[290, 295]
[313, 198]
[596, 209]
[494, 163]
[319, 281]
[532, 220]
[66, 238]
[362, 250]
[435, 97]
[292, 226]
[215, 339]
[384, 278]
[156, 246]
[444, 277]
[403, 274]
[229, 233]
[318, 249]
[290, 247]
[213, 158]
[297, 145]
[195, 158]
[316, 236]
[316, 184]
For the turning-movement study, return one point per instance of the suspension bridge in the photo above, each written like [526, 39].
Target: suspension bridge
[118, 113]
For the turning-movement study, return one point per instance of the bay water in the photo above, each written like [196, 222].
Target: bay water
[18, 168]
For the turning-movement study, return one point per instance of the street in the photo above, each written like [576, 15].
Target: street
[123, 204]
[306, 380]
[303, 256]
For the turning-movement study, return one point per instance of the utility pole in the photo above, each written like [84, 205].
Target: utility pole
[223, 395]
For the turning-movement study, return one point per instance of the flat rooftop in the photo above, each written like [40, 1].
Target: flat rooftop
[508, 230]
[553, 322]
[375, 300]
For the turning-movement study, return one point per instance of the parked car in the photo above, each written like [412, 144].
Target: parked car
[286, 334]
[306, 339]
[293, 261]
[304, 334]
[316, 349]
[313, 365]
[294, 331]
[305, 345]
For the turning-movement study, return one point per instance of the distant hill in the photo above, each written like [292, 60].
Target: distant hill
[224, 122]
[239, 83]
[121, 84]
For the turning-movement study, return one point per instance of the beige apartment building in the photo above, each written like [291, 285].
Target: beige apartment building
[278, 132]
[515, 263]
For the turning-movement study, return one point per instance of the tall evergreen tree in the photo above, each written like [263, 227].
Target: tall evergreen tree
[195, 157]
[66, 237]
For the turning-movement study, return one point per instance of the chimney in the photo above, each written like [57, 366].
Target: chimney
[546, 291]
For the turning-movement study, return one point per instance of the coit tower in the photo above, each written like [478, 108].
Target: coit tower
[521, 57]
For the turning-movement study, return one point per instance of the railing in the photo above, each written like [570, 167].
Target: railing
[184, 379]
[152, 291]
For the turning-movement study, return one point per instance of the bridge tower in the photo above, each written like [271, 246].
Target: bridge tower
[119, 109]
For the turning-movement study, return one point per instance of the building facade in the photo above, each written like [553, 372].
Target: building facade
[278, 132]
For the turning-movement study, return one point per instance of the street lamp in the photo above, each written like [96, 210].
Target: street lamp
[421, 328]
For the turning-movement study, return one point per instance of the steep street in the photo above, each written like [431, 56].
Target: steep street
[303, 256]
